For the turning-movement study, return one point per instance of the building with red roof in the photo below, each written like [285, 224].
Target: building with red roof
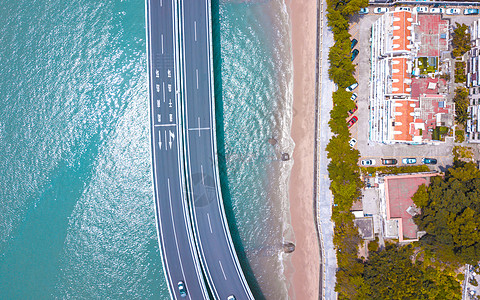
[400, 78]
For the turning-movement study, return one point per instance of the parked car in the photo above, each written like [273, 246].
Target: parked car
[436, 10]
[363, 11]
[182, 289]
[352, 87]
[354, 54]
[422, 9]
[470, 11]
[352, 121]
[453, 11]
[368, 162]
[380, 10]
[429, 161]
[389, 161]
[352, 111]
[409, 161]
[231, 297]
[403, 8]
[354, 43]
[354, 97]
[352, 142]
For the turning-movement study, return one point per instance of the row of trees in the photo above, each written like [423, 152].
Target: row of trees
[343, 169]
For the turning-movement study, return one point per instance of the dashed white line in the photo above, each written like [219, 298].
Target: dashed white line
[223, 272]
[209, 223]
[195, 29]
[161, 3]
[163, 86]
[196, 72]
[161, 38]
[203, 177]
[199, 126]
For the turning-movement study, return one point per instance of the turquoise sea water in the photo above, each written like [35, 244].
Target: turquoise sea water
[254, 98]
[76, 208]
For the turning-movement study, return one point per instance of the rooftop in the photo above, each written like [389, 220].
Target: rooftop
[399, 190]
[432, 34]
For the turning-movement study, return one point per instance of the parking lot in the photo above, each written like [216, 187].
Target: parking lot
[442, 151]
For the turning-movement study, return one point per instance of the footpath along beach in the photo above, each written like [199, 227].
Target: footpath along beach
[305, 259]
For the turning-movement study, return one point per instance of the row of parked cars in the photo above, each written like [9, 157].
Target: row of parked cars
[425, 10]
[393, 161]
[354, 119]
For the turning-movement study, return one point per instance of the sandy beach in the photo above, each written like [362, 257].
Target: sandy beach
[305, 259]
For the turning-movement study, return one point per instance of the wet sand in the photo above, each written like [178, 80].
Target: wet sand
[306, 258]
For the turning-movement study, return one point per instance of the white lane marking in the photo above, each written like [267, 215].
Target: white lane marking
[203, 177]
[160, 140]
[196, 72]
[164, 125]
[161, 38]
[199, 126]
[165, 139]
[163, 89]
[173, 223]
[195, 29]
[221, 267]
[209, 223]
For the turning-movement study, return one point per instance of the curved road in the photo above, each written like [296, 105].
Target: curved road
[180, 259]
[218, 256]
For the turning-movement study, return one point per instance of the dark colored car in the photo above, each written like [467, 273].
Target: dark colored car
[470, 11]
[182, 289]
[429, 161]
[352, 121]
[389, 161]
[354, 54]
[352, 111]
[354, 43]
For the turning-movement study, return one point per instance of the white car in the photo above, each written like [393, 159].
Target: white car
[422, 9]
[453, 11]
[368, 162]
[380, 10]
[403, 8]
[351, 87]
[436, 10]
[352, 142]
[354, 97]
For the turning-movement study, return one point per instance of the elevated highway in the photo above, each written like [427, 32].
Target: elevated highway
[194, 237]
[218, 256]
[179, 255]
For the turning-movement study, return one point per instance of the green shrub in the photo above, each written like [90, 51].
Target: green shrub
[459, 136]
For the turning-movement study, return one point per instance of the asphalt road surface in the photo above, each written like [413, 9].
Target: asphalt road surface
[215, 246]
[180, 259]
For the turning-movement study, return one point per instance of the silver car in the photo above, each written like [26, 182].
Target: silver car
[453, 11]
[368, 162]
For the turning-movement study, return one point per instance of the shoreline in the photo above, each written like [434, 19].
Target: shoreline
[305, 260]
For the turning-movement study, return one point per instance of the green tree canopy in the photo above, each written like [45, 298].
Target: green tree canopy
[391, 274]
[451, 215]
[461, 40]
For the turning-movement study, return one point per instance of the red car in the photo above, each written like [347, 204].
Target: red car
[352, 121]
[352, 111]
